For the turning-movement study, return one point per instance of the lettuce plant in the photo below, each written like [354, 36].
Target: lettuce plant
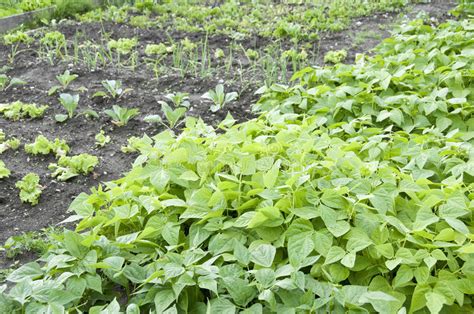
[4, 171]
[68, 167]
[43, 146]
[101, 139]
[30, 189]
[336, 56]
[18, 110]
[123, 45]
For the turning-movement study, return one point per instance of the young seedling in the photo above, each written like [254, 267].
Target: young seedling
[18, 110]
[70, 103]
[101, 139]
[179, 99]
[43, 146]
[120, 115]
[64, 79]
[30, 189]
[6, 82]
[71, 166]
[175, 116]
[4, 172]
[219, 97]
[113, 89]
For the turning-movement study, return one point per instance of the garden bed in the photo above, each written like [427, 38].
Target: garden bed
[147, 88]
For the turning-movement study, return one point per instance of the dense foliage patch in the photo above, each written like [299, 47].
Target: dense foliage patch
[353, 191]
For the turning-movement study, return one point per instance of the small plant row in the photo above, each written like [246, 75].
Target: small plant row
[64, 169]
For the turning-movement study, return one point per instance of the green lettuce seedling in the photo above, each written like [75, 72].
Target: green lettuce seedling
[18, 110]
[43, 146]
[101, 139]
[68, 167]
[4, 172]
[30, 189]
[336, 56]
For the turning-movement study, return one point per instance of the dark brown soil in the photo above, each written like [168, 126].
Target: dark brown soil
[79, 132]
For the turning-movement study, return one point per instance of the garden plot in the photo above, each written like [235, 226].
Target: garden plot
[348, 187]
[194, 64]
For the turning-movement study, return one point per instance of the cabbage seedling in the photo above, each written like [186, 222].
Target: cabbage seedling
[64, 79]
[70, 103]
[113, 89]
[120, 115]
[179, 99]
[219, 97]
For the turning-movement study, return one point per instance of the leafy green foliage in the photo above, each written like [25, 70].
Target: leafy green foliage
[30, 189]
[30, 242]
[43, 146]
[101, 139]
[123, 45]
[4, 171]
[420, 81]
[121, 115]
[68, 167]
[18, 110]
[6, 144]
[336, 56]
[158, 49]
[64, 79]
[173, 116]
[7, 82]
[113, 89]
[322, 204]
[17, 37]
[70, 103]
[53, 40]
[219, 97]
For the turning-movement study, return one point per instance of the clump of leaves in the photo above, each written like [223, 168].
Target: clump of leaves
[251, 54]
[121, 115]
[219, 97]
[187, 45]
[101, 139]
[64, 79]
[158, 49]
[30, 242]
[173, 116]
[30, 189]
[4, 171]
[179, 99]
[68, 167]
[7, 82]
[113, 89]
[123, 45]
[18, 110]
[43, 146]
[5, 144]
[335, 56]
[54, 40]
[70, 103]
[17, 37]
